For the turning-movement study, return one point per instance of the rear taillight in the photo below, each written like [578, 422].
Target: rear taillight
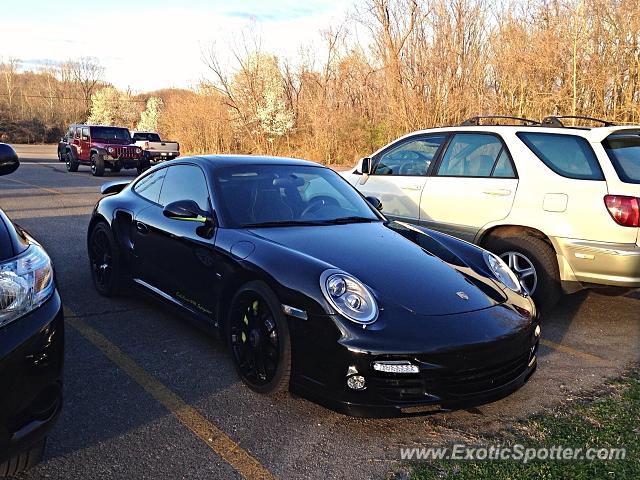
[624, 210]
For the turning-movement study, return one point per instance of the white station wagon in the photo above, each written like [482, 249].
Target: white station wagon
[558, 204]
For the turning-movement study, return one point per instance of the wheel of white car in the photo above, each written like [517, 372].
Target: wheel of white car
[535, 263]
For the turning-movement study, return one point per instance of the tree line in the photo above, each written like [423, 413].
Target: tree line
[391, 67]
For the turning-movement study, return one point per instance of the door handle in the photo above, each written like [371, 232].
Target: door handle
[501, 192]
[411, 187]
[142, 228]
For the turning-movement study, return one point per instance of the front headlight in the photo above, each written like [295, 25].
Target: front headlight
[502, 272]
[349, 296]
[26, 282]
[138, 150]
[111, 149]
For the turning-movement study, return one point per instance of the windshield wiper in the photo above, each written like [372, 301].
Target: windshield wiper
[283, 223]
[354, 219]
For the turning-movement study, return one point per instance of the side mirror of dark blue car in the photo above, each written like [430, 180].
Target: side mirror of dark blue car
[186, 210]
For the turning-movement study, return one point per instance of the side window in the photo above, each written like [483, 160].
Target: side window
[77, 133]
[472, 155]
[503, 167]
[567, 155]
[411, 157]
[85, 133]
[185, 182]
[149, 186]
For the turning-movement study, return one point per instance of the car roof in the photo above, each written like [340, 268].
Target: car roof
[95, 125]
[230, 160]
[593, 134]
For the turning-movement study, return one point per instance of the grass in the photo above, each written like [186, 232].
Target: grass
[610, 420]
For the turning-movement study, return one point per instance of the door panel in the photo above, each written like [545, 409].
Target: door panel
[400, 172]
[462, 206]
[474, 184]
[85, 145]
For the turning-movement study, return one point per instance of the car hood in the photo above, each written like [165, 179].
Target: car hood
[112, 143]
[397, 270]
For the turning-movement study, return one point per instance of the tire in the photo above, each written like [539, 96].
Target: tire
[547, 289]
[104, 260]
[250, 330]
[72, 162]
[143, 164]
[23, 461]
[97, 165]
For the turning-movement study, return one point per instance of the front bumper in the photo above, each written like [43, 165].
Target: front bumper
[459, 375]
[122, 162]
[31, 361]
[588, 262]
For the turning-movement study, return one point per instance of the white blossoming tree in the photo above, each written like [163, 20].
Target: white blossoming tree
[110, 106]
[259, 99]
[150, 117]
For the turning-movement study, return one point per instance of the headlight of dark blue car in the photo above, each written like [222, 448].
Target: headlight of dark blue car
[26, 282]
[502, 272]
[349, 296]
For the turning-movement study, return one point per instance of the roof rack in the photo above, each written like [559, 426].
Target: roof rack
[475, 121]
[556, 120]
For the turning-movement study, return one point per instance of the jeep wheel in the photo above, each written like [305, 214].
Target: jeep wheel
[97, 165]
[535, 264]
[72, 162]
[143, 164]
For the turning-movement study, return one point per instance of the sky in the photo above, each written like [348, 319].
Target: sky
[146, 45]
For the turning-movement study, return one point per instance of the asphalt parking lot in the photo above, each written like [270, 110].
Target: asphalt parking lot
[149, 396]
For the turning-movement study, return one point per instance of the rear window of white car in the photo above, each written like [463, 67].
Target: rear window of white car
[624, 152]
[568, 155]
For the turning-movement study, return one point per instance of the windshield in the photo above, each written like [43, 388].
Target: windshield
[111, 134]
[281, 195]
[624, 152]
[149, 137]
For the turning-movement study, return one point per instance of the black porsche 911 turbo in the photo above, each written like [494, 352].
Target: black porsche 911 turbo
[313, 289]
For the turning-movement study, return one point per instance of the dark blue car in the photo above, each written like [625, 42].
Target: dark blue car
[31, 342]
[313, 290]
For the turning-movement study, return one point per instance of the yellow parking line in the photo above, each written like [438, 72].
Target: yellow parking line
[573, 352]
[50, 190]
[241, 460]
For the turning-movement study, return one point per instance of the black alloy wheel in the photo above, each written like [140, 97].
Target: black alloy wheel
[104, 260]
[258, 339]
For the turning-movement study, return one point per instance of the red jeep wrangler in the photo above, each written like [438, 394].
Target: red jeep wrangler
[102, 147]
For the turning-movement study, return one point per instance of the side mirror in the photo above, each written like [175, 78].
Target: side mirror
[186, 210]
[85, 138]
[364, 166]
[9, 162]
[375, 202]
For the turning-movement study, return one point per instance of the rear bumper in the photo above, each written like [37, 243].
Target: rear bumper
[162, 155]
[588, 262]
[31, 361]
